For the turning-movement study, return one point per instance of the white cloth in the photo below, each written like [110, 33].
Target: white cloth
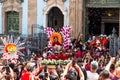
[92, 76]
[1, 75]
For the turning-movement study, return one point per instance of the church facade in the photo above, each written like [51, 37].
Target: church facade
[18, 16]
[83, 16]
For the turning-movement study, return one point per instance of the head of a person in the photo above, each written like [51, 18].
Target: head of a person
[55, 38]
[70, 77]
[32, 59]
[112, 67]
[67, 77]
[28, 67]
[80, 62]
[20, 65]
[94, 65]
[104, 75]
[59, 69]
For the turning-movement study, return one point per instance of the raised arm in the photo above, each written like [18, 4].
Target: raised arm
[110, 62]
[80, 72]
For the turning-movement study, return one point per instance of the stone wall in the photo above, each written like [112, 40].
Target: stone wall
[76, 10]
[32, 14]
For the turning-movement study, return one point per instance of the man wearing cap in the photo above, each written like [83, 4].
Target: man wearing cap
[92, 74]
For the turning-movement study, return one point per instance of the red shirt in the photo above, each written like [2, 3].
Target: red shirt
[60, 55]
[65, 57]
[87, 67]
[79, 54]
[104, 41]
[25, 75]
[56, 43]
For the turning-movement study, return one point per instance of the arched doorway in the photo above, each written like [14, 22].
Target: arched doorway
[55, 18]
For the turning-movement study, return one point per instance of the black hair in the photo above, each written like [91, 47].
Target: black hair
[70, 77]
[12, 65]
[46, 74]
[45, 68]
[7, 70]
[41, 77]
[112, 67]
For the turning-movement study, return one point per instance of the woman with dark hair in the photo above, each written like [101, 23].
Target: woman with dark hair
[112, 70]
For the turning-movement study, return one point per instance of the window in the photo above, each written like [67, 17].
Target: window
[12, 22]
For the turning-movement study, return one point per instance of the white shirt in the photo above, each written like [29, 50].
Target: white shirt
[1, 75]
[92, 76]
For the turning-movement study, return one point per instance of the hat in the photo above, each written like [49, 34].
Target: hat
[101, 35]
[94, 64]
[31, 64]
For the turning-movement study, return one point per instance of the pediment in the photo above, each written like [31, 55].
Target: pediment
[55, 3]
[12, 5]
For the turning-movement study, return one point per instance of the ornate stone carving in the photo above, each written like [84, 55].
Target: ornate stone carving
[48, 0]
[1, 1]
[19, 1]
[45, 0]
[64, 0]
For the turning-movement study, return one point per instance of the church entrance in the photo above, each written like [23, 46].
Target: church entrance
[55, 19]
[109, 27]
[103, 20]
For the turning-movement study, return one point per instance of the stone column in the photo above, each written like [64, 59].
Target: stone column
[80, 17]
[76, 10]
[102, 27]
[119, 22]
[32, 14]
[72, 17]
[45, 20]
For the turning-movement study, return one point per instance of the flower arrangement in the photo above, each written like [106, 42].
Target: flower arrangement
[54, 62]
[63, 36]
[10, 48]
[65, 31]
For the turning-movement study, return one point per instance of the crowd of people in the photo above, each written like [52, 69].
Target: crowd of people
[89, 60]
